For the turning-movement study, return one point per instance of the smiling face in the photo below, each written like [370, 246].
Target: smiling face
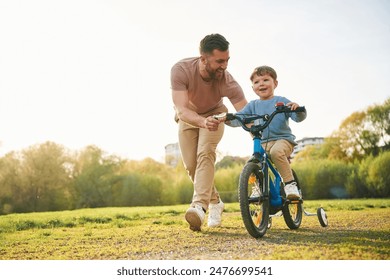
[264, 86]
[214, 64]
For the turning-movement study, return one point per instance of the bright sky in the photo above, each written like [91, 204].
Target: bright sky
[81, 72]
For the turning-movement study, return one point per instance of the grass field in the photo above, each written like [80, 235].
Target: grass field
[358, 230]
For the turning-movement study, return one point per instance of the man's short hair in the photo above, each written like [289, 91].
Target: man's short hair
[213, 42]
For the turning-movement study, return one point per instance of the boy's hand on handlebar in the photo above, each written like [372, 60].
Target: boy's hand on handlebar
[292, 105]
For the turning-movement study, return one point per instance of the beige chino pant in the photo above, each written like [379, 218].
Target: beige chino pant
[198, 149]
[280, 151]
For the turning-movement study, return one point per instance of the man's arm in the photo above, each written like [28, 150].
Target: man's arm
[240, 104]
[184, 113]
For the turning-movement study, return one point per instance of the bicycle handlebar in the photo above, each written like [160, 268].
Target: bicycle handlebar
[279, 108]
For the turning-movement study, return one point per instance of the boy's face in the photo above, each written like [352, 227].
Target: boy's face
[264, 86]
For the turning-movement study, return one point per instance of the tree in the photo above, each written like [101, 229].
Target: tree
[46, 178]
[379, 116]
[230, 161]
[354, 136]
[11, 184]
[364, 132]
[329, 149]
[93, 175]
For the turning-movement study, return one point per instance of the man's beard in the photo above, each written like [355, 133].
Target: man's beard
[213, 73]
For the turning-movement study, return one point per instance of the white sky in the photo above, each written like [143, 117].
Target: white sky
[81, 72]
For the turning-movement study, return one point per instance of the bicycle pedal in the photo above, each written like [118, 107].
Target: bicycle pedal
[254, 199]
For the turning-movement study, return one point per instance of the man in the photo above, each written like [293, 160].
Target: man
[198, 87]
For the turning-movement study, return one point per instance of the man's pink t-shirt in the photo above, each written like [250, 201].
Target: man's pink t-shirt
[204, 96]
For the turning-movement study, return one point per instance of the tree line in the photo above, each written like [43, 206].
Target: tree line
[353, 162]
[48, 177]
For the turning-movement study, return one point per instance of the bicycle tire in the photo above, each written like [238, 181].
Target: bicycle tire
[254, 210]
[292, 212]
[322, 217]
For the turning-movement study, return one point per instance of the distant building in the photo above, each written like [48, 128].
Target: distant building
[307, 141]
[172, 154]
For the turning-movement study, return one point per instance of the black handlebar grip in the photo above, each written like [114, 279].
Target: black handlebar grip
[230, 116]
[300, 109]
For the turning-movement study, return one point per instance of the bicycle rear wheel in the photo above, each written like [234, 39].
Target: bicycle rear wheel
[292, 211]
[254, 202]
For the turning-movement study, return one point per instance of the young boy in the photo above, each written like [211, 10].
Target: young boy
[277, 139]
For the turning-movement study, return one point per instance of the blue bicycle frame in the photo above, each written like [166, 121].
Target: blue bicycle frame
[258, 208]
[260, 154]
[274, 185]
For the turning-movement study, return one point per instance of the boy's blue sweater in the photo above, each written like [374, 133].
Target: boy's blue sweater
[279, 127]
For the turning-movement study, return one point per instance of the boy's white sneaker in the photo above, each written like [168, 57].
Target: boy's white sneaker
[291, 191]
[255, 192]
[215, 214]
[195, 217]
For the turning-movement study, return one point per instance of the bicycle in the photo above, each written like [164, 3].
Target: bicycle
[260, 194]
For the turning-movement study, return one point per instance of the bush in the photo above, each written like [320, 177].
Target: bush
[355, 186]
[374, 171]
[226, 181]
[323, 178]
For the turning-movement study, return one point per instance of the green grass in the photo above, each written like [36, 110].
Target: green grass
[358, 229]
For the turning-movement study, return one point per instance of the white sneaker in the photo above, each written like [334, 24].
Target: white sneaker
[195, 217]
[291, 191]
[215, 214]
[255, 192]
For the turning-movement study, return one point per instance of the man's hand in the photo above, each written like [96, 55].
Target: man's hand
[211, 123]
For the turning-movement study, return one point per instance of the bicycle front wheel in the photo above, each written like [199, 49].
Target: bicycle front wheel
[253, 198]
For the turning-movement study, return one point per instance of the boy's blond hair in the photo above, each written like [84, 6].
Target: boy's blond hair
[264, 70]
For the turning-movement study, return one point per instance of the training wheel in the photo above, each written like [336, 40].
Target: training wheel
[321, 214]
